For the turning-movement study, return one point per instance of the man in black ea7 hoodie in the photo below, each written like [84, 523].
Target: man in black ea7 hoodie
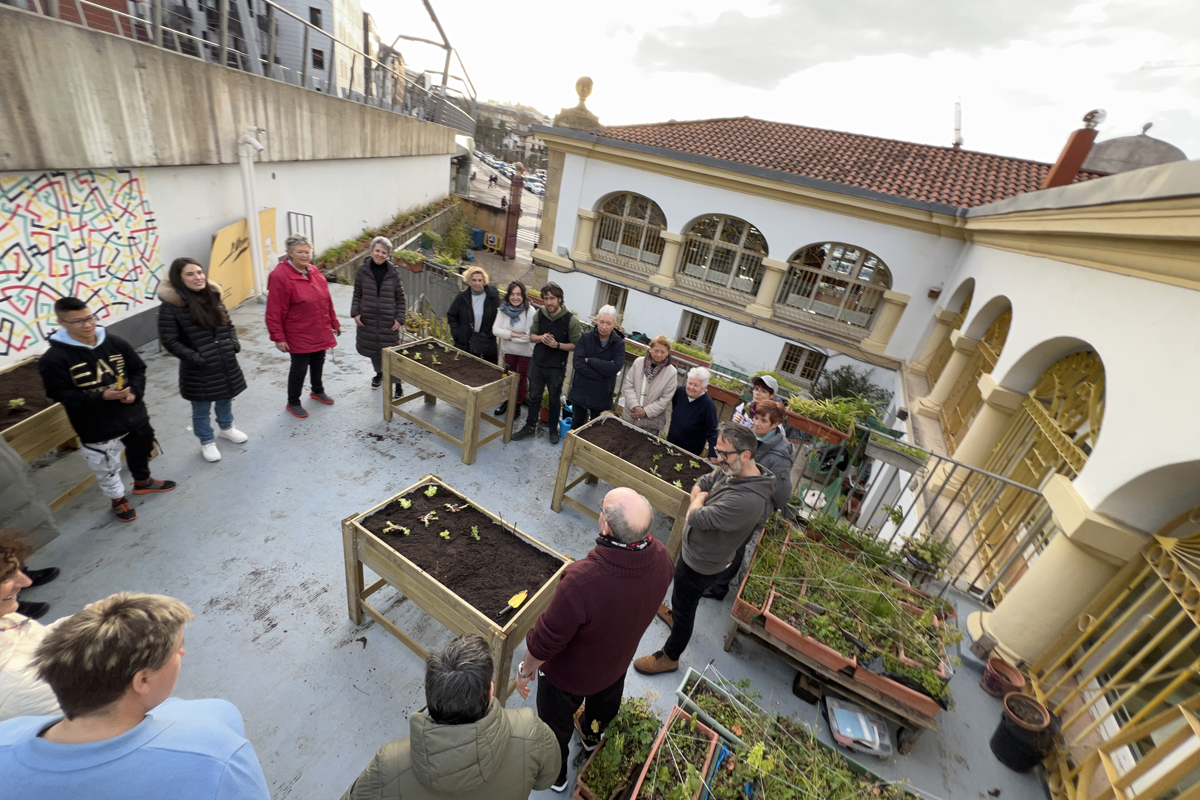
[100, 381]
[726, 507]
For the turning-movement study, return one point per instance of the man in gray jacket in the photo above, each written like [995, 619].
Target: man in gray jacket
[468, 747]
[726, 507]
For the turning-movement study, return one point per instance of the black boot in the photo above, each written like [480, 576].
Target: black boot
[501, 409]
[32, 610]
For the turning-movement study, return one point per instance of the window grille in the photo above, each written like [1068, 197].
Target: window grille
[801, 363]
[725, 251]
[840, 282]
[628, 232]
[609, 294]
[698, 331]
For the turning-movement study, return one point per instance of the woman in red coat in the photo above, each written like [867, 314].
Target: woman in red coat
[301, 320]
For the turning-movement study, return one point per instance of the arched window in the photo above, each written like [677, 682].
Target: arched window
[724, 252]
[628, 228]
[837, 282]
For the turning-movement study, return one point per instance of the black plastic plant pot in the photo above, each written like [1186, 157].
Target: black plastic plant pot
[1021, 740]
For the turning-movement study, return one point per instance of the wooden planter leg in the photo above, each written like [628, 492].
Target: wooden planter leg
[510, 414]
[430, 400]
[564, 468]
[387, 386]
[502, 653]
[471, 429]
[354, 573]
[675, 542]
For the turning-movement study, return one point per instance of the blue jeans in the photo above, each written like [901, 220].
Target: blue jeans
[202, 425]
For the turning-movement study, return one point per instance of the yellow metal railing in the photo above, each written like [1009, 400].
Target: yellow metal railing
[1125, 680]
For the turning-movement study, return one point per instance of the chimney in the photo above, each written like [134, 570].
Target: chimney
[1077, 149]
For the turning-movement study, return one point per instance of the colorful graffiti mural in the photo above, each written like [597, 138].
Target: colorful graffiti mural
[84, 233]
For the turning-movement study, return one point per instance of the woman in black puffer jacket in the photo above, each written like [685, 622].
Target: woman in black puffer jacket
[194, 326]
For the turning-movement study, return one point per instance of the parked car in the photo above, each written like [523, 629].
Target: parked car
[537, 189]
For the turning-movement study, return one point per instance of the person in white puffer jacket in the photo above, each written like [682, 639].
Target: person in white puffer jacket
[22, 692]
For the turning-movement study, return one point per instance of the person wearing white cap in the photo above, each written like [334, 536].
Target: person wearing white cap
[764, 387]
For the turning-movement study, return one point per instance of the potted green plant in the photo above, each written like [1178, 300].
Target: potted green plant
[726, 390]
[626, 745]
[685, 353]
[410, 260]
[715, 706]
[678, 760]
[898, 454]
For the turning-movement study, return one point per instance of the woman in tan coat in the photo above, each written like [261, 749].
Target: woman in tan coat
[649, 386]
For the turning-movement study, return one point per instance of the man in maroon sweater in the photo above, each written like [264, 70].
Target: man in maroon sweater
[583, 643]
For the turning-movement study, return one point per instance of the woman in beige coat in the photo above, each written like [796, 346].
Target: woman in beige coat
[649, 386]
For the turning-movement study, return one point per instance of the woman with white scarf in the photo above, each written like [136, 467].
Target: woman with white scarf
[512, 329]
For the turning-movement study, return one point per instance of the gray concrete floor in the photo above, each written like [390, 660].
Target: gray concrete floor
[252, 543]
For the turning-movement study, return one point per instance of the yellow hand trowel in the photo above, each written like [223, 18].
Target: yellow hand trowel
[514, 602]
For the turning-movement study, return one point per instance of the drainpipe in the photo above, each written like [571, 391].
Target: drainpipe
[1072, 156]
[247, 147]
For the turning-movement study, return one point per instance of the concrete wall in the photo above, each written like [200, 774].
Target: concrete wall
[917, 260]
[125, 226]
[120, 104]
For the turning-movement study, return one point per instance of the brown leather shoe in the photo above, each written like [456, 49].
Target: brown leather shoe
[664, 613]
[655, 664]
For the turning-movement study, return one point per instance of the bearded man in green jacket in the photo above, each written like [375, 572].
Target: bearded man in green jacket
[468, 746]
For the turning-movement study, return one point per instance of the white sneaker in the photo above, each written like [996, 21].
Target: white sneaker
[233, 435]
[210, 452]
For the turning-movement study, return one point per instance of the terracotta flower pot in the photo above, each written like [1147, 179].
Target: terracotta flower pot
[815, 429]
[822, 654]
[583, 791]
[723, 395]
[701, 729]
[1000, 678]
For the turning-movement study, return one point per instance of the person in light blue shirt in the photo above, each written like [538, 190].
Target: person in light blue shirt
[112, 667]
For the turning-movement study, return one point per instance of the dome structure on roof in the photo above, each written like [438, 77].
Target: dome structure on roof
[1126, 153]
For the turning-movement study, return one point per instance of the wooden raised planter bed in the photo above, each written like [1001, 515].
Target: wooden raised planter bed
[595, 461]
[36, 434]
[432, 385]
[362, 548]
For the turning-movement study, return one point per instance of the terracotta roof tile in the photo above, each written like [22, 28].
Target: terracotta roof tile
[942, 175]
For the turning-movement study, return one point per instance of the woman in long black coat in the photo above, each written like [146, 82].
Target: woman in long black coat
[194, 326]
[379, 307]
[472, 313]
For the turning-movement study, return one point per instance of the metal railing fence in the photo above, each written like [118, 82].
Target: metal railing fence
[386, 87]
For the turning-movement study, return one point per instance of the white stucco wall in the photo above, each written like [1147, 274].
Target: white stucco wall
[1143, 331]
[342, 196]
[917, 260]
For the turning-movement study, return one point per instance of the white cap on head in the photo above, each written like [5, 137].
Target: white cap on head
[769, 382]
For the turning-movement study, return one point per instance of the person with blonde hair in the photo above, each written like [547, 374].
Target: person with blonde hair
[112, 667]
[378, 308]
[472, 315]
[302, 321]
[649, 386]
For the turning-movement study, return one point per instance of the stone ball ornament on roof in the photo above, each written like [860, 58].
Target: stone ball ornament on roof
[583, 88]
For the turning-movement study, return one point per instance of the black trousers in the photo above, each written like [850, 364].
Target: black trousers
[139, 443]
[580, 415]
[548, 378]
[557, 709]
[685, 599]
[312, 364]
[721, 585]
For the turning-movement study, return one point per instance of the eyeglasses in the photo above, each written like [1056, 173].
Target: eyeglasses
[81, 322]
[725, 453]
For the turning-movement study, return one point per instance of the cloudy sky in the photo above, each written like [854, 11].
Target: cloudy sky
[1025, 70]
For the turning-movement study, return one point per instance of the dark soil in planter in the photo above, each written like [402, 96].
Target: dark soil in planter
[24, 382]
[484, 572]
[466, 371]
[1026, 711]
[639, 449]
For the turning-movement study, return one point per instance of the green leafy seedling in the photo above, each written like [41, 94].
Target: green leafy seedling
[435, 359]
[431, 491]
[417, 356]
[455, 507]
[679, 466]
[694, 464]
[16, 403]
[475, 532]
[390, 526]
[678, 484]
[657, 457]
[403, 352]
[445, 535]
[428, 518]
[405, 502]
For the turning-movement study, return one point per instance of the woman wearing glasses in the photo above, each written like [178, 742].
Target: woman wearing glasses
[194, 326]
